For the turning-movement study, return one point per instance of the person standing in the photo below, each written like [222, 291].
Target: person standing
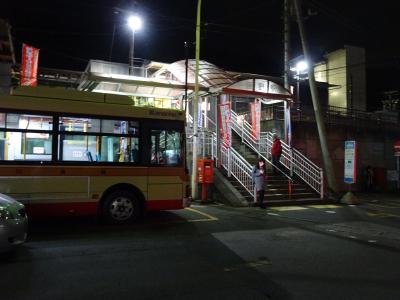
[276, 152]
[259, 172]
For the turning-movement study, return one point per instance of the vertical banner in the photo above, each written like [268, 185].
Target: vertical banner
[255, 108]
[350, 161]
[29, 68]
[225, 124]
[288, 126]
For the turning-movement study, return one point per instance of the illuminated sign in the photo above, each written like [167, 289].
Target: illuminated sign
[350, 161]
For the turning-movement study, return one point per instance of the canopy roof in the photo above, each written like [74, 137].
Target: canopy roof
[168, 80]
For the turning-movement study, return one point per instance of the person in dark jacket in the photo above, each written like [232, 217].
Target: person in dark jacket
[276, 152]
[259, 173]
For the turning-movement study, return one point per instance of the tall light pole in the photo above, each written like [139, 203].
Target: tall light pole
[300, 68]
[328, 166]
[135, 23]
[286, 28]
[196, 102]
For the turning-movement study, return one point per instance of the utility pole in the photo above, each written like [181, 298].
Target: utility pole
[195, 102]
[112, 43]
[186, 75]
[10, 39]
[330, 174]
[286, 28]
[286, 38]
[131, 54]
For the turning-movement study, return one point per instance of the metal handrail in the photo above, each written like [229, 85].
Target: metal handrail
[292, 159]
[238, 167]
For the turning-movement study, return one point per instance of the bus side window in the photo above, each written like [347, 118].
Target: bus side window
[165, 147]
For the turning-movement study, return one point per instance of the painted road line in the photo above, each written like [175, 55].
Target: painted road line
[330, 212]
[273, 214]
[288, 208]
[382, 215]
[209, 217]
[325, 206]
[384, 206]
[372, 241]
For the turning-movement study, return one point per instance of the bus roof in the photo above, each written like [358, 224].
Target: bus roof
[52, 100]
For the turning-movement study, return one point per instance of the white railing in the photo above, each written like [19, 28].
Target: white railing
[291, 158]
[231, 161]
[205, 141]
[243, 128]
[237, 167]
[300, 165]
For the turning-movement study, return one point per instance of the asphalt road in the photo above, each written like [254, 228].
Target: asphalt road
[214, 252]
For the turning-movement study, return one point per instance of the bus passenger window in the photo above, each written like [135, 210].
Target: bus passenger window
[30, 139]
[77, 147]
[119, 149]
[165, 148]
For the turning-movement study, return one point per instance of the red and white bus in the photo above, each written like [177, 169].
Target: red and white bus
[66, 152]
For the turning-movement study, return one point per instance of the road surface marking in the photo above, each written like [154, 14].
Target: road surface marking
[382, 215]
[209, 217]
[325, 206]
[384, 206]
[273, 214]
[288, 208]
[372, 241]
[330, 212]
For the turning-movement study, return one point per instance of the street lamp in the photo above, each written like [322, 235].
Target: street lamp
[135, 23]
[301, 67]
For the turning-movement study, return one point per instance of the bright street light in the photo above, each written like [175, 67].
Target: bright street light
[135, 23]
[300, 67]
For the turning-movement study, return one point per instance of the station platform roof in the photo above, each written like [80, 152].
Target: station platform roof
[162, 80]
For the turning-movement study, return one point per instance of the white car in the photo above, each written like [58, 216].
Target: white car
[13, 223]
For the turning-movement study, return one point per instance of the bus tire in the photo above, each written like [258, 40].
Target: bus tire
[121, 207]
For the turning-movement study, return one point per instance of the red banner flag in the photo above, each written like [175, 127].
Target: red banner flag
[30, 59]
[225, 124]
[255, 118]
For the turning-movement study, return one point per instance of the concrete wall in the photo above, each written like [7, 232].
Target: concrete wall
[336, 75]
[375, 148]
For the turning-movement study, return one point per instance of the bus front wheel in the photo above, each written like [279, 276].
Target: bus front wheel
[121, 207]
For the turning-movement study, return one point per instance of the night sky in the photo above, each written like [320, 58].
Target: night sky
[236, 35]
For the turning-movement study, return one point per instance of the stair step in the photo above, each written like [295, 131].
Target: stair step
[294, 191]
[276, 184]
